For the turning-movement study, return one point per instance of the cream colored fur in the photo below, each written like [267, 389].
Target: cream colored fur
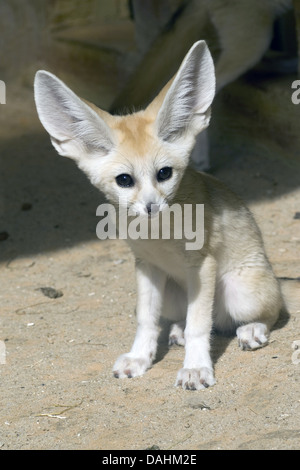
[229, 283]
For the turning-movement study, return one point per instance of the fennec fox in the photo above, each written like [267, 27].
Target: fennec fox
[139, 161]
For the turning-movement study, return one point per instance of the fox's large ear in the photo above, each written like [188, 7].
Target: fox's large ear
[186, 103]
[74, 127]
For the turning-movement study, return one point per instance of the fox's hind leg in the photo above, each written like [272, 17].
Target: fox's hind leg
[248, 298]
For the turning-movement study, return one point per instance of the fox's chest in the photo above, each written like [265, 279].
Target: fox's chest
[167, 255]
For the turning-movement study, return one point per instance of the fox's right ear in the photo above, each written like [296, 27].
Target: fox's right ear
[184, 103]
[74, 127]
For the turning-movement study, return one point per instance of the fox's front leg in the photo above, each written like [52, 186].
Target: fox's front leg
[150, 291]
[197, 371]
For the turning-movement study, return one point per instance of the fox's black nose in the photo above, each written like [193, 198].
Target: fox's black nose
[152, 208]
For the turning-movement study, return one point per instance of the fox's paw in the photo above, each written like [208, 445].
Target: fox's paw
[195, 379]
[176, 335]
[252, 336]
[127, 366]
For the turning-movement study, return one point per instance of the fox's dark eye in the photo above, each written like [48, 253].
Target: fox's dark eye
[164, 173]
[124, 180]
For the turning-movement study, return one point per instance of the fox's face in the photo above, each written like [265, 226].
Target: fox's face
[137, 160]
[142, 172]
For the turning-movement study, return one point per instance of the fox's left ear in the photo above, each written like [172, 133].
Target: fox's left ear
[186, 103]
[75, 129]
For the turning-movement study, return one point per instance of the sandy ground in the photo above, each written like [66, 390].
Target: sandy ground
[57, 388]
